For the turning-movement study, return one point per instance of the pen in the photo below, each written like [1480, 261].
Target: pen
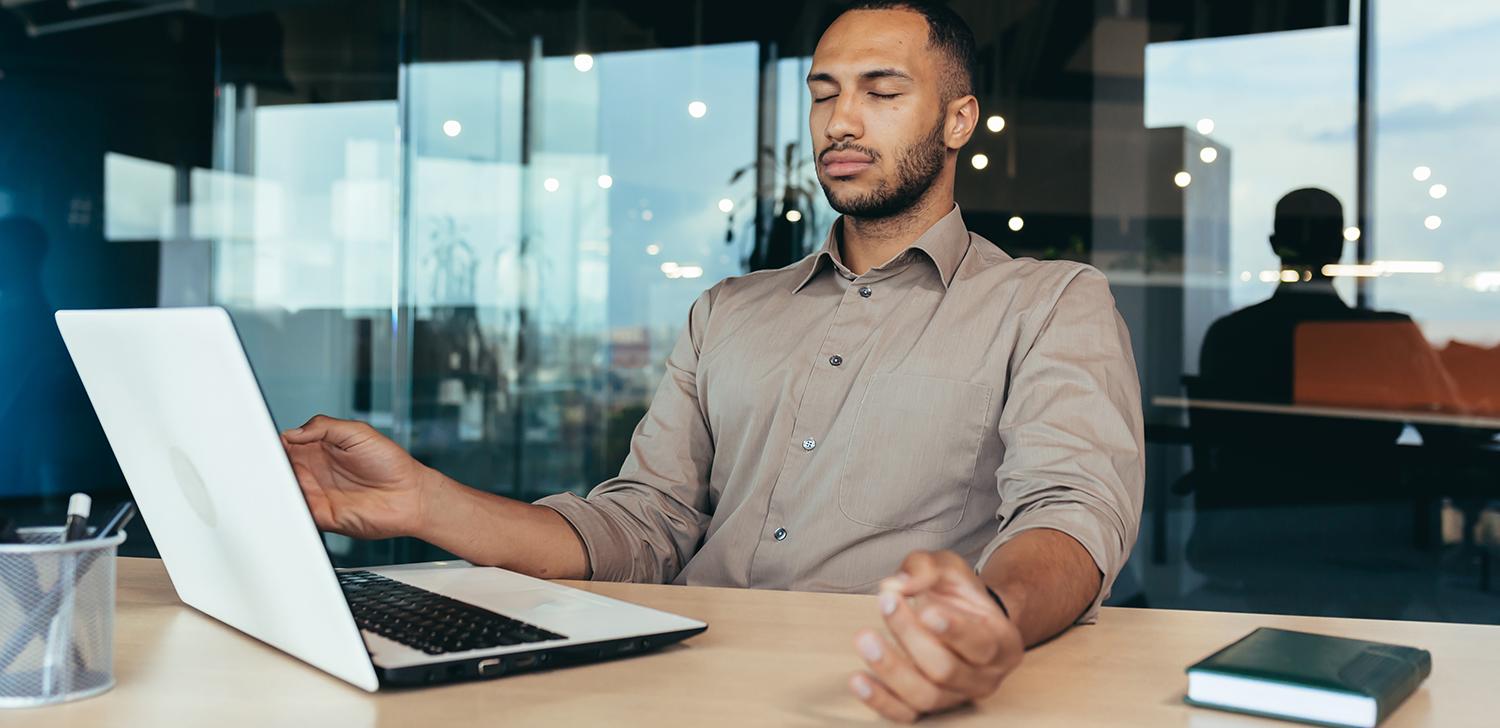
[78, 517]
[117, 520]
[57, 678]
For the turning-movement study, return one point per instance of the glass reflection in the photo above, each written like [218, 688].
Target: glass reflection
[479, 226]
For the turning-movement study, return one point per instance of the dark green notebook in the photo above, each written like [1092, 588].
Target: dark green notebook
[1311, 678]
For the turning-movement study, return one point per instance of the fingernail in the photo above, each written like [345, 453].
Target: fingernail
[861, 687]
[869, 646]
[294, 431]
[888, 602]
[934, 621]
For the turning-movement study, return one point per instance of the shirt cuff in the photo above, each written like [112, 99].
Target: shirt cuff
[1086, 526]
[602, 539]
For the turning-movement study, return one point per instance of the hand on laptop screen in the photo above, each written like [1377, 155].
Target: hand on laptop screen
[357, 481]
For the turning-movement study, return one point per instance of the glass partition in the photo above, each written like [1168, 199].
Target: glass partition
[479, 225]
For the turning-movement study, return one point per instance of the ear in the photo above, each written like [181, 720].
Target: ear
[960, 118]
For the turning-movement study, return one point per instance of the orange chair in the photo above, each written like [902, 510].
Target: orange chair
[1379, 365]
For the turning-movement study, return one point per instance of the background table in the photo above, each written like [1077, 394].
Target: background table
[768, 659]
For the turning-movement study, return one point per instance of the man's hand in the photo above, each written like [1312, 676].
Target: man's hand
[356, 481]
[952, 645]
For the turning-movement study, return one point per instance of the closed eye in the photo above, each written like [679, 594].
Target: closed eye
[884, 96]
[819, 100]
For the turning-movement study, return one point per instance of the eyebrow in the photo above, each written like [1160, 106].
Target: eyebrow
[867, 75]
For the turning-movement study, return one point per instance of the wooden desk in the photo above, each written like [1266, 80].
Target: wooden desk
[768, 659]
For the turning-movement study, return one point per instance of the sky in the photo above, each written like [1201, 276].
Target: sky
[1284, 103]
[327, 177]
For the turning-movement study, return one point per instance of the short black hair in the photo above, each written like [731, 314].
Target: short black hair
[1309, 228]
[946, 31]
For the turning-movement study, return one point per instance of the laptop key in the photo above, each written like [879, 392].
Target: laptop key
[430, 622]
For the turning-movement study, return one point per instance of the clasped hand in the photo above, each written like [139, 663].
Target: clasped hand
[950, 642]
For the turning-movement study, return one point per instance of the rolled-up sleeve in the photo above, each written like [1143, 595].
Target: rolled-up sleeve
[1072, 431]
[645, 524]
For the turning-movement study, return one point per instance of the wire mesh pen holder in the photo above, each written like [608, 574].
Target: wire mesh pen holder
[57, 618]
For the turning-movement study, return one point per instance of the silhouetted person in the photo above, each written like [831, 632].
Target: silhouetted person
[1248, 356]
[1283, 499]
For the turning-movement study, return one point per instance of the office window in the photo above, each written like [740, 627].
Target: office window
[479, 226]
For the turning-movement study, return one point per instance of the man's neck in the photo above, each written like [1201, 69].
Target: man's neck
[1318, 285]
[867, 243]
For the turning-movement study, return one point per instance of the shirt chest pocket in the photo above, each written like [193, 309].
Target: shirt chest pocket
[915, 444]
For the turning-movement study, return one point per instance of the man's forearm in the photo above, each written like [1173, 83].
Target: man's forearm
[1046, 578]
[491, 530]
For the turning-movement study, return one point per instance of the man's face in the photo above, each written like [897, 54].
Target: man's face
[877, 113]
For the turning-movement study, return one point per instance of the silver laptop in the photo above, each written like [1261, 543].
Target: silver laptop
[204, 461]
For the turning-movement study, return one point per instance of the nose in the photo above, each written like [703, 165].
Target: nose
[844, 123]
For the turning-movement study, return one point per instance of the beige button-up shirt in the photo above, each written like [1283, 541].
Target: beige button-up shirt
[814, 426]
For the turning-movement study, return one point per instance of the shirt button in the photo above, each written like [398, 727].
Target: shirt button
[780, 534]
[864, 291]
[809, 444]
[835, 360]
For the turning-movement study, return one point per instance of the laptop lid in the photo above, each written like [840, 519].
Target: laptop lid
[188, 423]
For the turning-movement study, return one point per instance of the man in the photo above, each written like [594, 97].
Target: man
[1248, 355]
[910, 392]
[1283, 501]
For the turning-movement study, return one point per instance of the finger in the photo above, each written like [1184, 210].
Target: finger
[978, 640]
[937, 661]
[312, 430]
[901, 677]
[872, 693]
[919, 572]
[317, 500]
[306, 479]
[342, 434]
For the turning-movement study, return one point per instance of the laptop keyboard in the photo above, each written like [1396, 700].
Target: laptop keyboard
[430, 622]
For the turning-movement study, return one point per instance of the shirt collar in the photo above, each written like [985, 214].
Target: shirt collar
[944, 244]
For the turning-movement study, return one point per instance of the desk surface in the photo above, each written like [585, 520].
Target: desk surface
[768, 659]
[1348, 413]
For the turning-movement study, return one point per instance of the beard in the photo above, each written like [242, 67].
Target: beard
[916, 168]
